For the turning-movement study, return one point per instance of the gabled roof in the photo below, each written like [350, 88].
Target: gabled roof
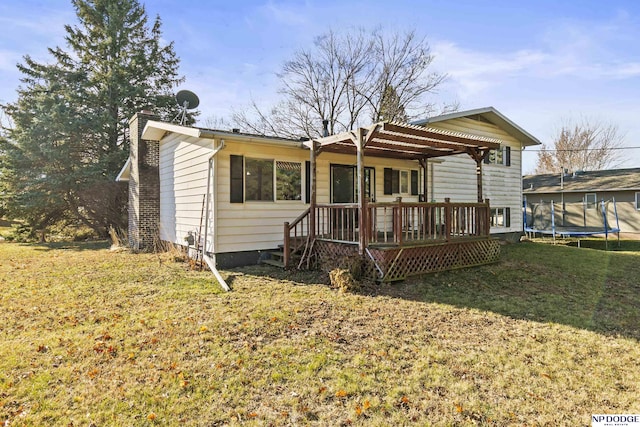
[592, 181]
[490, 115]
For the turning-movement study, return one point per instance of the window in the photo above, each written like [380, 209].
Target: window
[344, 185]
[501, 156]
[501, 217]
[400, 181]
[590, 200]
[404, 182]
[638, 201]
[258, 181]
[262, 179]
[288, 179]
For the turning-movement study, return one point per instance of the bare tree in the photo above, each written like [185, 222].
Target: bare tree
[215, 122]
[584, 145]
[350, 80]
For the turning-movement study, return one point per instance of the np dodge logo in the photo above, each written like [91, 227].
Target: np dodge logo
[611, 420]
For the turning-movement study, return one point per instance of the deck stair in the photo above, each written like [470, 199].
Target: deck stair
[276, 257]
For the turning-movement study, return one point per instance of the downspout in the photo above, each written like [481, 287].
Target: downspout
[211, 261]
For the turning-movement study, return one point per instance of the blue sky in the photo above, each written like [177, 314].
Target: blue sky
[538, 62]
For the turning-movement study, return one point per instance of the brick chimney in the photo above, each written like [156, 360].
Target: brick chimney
[144, 186]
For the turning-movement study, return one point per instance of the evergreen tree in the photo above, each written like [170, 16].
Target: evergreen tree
[69, 136]
[391, 108]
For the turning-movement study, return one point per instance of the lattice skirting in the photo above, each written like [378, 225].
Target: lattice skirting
[389, 264]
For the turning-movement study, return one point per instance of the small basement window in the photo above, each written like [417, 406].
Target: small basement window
[590, 200]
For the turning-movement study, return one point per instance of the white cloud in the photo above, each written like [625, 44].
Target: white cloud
[475, 72]
[582, 51]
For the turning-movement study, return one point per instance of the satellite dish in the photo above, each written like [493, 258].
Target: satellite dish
[186, 100]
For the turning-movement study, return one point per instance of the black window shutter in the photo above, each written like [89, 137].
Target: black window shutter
[507, 216]
[237, 181]
[414, 183]
[507, 156]
[388, 188]
[307, 181]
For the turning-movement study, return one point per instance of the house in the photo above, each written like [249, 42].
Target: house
[450, 181]
[578, 199]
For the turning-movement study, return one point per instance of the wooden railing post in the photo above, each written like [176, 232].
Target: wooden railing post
[447, 218]
[487, 218]
[398, 220]
[287, 245]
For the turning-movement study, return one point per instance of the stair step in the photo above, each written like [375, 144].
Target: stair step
[276, 254]
[273, 262]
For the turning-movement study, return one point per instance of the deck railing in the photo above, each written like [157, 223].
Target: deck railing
[400, 223]
[394, 223]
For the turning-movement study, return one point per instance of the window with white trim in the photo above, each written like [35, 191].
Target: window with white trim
[401, 181]
[264, 180]
[638, 201]
[258, 180]
[288, 180]
[501, 217]
[404, 182]
[590, 200]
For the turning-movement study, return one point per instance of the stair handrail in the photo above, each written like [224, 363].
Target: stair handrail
[288, 226]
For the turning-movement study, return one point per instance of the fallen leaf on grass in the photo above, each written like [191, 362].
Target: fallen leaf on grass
[458, 408]
[151, 416]
[545, 375]
[341, 393]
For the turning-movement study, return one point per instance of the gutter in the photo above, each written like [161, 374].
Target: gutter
[211, 261]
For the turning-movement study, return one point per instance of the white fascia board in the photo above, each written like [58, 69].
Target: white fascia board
[125, 172]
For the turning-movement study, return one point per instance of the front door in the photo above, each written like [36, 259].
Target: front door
[344, 189]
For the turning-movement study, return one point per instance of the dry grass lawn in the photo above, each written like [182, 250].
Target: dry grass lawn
[548, 336]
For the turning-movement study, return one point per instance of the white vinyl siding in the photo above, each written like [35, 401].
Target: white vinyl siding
[183, 185]
[253, 225]
[455, 177]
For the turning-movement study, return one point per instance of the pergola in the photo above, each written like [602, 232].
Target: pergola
[397, 141]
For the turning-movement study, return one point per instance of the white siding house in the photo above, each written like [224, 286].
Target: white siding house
[238, 190]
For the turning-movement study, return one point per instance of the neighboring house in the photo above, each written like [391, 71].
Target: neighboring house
[577, 197]
[238, 190]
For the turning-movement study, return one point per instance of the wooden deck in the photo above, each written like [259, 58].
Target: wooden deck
[401, 239]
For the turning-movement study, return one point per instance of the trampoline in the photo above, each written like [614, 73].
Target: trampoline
[571, 220]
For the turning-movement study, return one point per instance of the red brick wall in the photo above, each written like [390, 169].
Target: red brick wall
[144, 186]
